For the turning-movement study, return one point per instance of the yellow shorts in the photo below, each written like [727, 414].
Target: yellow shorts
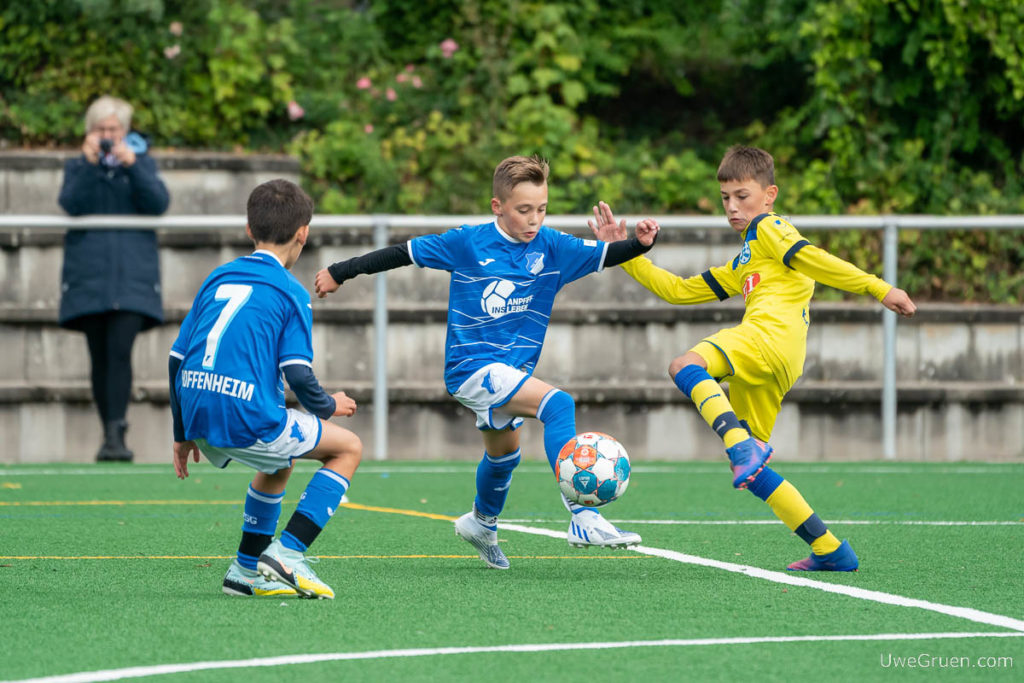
[755, 393]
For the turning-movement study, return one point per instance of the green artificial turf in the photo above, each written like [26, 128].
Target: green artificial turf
[149, 593]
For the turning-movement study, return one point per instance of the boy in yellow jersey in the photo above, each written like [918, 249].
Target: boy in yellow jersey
[763, 356]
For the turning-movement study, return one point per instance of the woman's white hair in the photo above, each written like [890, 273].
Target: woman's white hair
[105, 107]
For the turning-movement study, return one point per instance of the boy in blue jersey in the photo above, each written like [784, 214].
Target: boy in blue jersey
[763, 356]
[504, 278]
[250, 326]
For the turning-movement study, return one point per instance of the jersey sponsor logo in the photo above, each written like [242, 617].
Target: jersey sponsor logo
[219, 384]
[590, 243]
[745, 253]
[486, 261]
[534, 262]
[749, 284]
[497, 299]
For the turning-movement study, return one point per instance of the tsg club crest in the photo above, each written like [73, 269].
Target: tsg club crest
[534, 262]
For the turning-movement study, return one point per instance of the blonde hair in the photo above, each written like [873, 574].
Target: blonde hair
[514, 170]
[104, 108]
[747, 163]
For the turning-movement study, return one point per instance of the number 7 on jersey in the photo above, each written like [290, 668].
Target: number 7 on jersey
[236, 296]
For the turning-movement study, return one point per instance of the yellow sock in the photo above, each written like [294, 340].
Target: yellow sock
[790, 507]
[716, 410]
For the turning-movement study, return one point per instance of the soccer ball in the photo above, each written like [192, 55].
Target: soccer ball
[592, 469]
[495, 297]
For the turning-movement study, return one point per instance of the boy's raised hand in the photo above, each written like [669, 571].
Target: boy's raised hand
[899, 301]
[343, 405]
[604, 226]
[647, 231]
[325, 284]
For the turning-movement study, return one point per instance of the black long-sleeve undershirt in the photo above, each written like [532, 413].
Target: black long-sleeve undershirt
[377, 261]
[624, 250]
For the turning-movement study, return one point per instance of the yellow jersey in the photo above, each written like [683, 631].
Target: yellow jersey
[775, 271]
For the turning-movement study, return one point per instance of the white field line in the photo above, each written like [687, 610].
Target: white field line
[536, 468]
[286, 660]
[758, 522]
[968, 613]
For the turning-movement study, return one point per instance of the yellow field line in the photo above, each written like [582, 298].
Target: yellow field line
[398, 511]
[323, 557]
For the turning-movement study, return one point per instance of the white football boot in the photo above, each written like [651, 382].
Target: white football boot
[589, 528]
[248, 582]
[469, 529]
[278, 563]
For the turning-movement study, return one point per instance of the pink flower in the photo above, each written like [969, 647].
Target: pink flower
[417, 82]
[364, 83]
[295, 111]
[391, 95]
[172, 51]
[409, 68]
[402, 77]
[368, 128]
[175, 28]
[448, 47]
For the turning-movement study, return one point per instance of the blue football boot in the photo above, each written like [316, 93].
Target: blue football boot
[842, 559]
[747, 459]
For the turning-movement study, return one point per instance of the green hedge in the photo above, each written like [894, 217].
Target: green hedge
[869, 106]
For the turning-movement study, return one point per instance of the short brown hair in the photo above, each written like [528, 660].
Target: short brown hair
[515, 170]
[276, 210]
[747, 163]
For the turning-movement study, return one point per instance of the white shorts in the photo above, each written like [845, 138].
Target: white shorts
[489, 388]
[300, 435]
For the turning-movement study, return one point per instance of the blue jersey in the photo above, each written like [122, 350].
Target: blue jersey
[501, 291]
[250, 318]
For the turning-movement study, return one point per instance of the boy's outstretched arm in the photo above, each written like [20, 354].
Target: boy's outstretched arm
[332, 277]
[823, 267]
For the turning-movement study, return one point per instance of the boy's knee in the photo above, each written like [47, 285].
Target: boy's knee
[677, 364]
[356, 448]
[557, 402]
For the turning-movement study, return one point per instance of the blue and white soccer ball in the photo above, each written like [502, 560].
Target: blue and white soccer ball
[592, 469]
[495, 297]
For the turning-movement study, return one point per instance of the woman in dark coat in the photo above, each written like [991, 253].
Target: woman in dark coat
[110, 283]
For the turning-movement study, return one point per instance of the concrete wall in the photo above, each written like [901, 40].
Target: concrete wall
[200, 182]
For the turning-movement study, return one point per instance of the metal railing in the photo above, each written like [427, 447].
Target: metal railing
[381, 224]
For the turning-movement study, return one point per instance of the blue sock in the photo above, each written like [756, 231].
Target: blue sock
[259, 521]
[493, 477]
[318, 503]
[558, 413]
[689, 377]
[765, 483]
